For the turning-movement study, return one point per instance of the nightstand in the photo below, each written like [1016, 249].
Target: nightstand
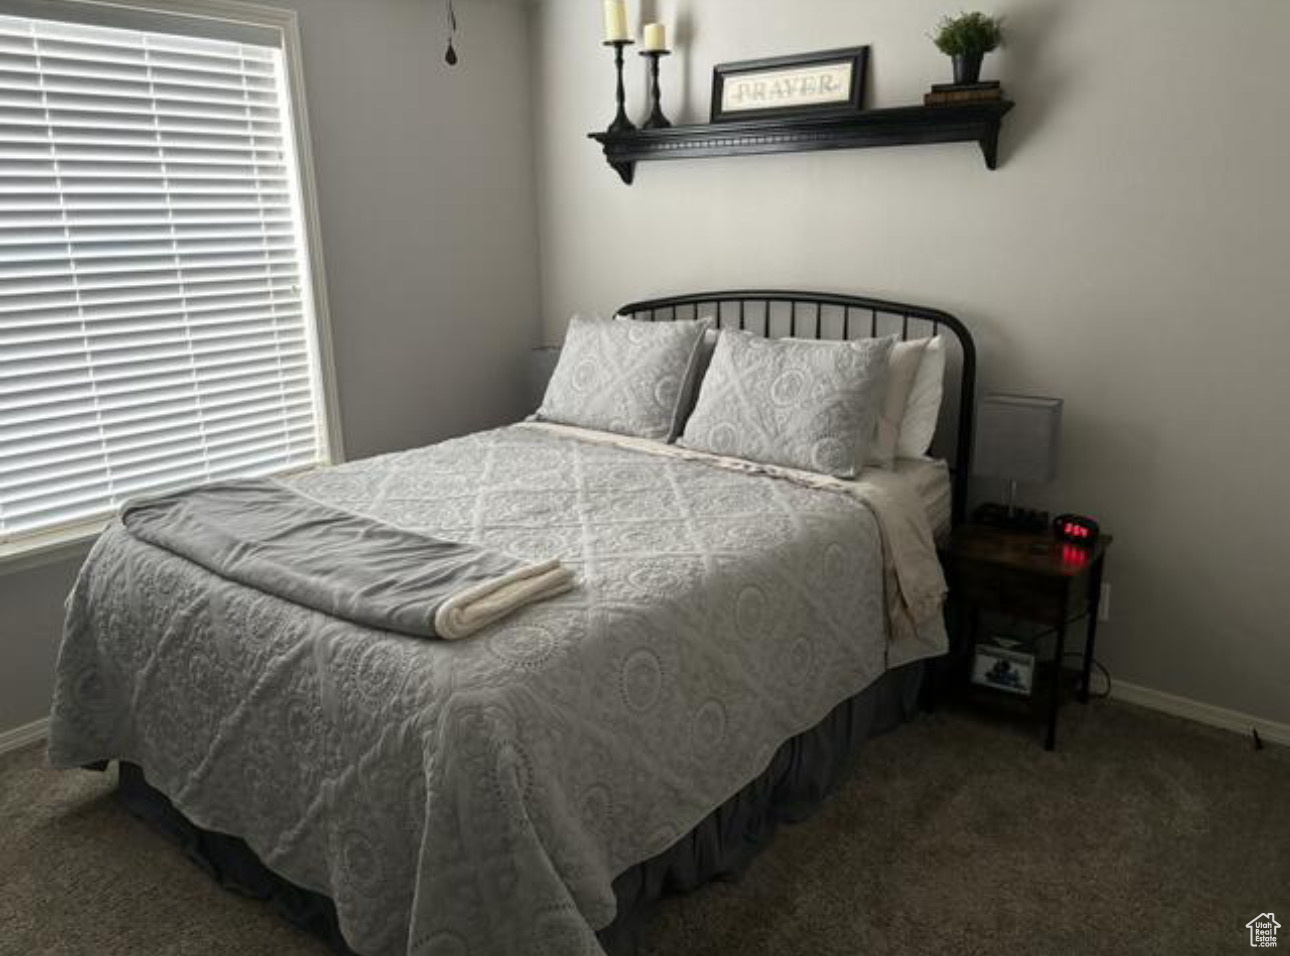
[1033, 577]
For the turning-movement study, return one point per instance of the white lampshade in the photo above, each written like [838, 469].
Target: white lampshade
[1018, 438]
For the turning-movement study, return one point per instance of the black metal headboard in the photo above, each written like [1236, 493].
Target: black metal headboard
[824, 315]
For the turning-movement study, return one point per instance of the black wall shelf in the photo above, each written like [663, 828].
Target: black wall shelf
[903, 126]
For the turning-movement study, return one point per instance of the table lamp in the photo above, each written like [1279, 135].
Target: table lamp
[1018, 439]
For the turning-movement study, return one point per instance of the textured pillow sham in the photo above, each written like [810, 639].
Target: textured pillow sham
[903, 363]
[807, 405]
[623, 376]
[707, 346]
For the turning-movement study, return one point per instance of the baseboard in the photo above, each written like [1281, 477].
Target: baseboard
[22, 736]
[1233, 720]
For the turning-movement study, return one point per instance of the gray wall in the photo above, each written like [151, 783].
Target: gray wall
[427, 204]
[1130, 256]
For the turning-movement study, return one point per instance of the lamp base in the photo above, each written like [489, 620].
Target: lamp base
[1011, 519]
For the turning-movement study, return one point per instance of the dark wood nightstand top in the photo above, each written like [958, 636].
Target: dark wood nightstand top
[1040, 554]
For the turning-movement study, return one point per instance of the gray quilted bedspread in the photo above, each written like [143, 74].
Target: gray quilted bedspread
[479, 797]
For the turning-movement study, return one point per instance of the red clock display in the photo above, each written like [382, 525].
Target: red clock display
[1075, 529]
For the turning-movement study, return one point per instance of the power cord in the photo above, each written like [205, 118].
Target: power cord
[1106, 675]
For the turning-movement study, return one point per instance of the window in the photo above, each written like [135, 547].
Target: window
[157, 308]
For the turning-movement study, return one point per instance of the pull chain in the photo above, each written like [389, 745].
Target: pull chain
[451, 56]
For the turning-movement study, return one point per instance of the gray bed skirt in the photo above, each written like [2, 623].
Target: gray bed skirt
[801, 775]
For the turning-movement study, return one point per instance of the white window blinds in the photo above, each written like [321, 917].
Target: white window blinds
[156, 328]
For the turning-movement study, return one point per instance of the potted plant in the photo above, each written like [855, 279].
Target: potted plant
[966, 39]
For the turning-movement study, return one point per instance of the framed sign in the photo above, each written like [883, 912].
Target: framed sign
[832, 81]
[1005, 670]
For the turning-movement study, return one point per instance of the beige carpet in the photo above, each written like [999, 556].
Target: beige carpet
[1142, 834]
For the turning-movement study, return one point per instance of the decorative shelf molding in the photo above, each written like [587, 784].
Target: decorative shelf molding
[903, 126]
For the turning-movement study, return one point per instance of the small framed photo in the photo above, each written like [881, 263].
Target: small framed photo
[807, 84]
[1002, 669]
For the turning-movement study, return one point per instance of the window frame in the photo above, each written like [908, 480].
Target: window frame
[68, 542]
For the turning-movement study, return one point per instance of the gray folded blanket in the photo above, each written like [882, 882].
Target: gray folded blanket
[260, 534]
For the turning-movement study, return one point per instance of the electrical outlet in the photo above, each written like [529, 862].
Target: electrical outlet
[1104, 604]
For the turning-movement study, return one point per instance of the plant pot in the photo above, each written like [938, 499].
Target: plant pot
[967, 68]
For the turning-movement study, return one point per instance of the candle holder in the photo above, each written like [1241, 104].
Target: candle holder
[656, 118]
[621, 123]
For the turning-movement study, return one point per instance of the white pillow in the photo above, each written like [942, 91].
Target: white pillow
[902, 370]
[923, 409]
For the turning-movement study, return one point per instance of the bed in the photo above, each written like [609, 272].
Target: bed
[533, 789]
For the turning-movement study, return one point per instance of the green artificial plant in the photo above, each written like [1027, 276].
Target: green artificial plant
[969, 34]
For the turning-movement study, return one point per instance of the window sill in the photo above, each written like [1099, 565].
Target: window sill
[74, 541]
[62, 545]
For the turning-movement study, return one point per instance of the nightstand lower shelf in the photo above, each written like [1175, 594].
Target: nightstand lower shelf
[1037, 705]
[1034, 578]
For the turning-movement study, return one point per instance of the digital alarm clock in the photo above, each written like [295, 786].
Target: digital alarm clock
[1075, 529]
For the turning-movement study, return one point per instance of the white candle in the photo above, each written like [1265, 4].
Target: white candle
[615, 20]
[655, 37]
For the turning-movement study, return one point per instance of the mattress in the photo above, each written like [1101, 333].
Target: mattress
[481, 796]
[930, 478]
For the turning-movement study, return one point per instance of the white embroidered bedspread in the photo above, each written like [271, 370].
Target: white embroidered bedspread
[914, 584]
[480, 796]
